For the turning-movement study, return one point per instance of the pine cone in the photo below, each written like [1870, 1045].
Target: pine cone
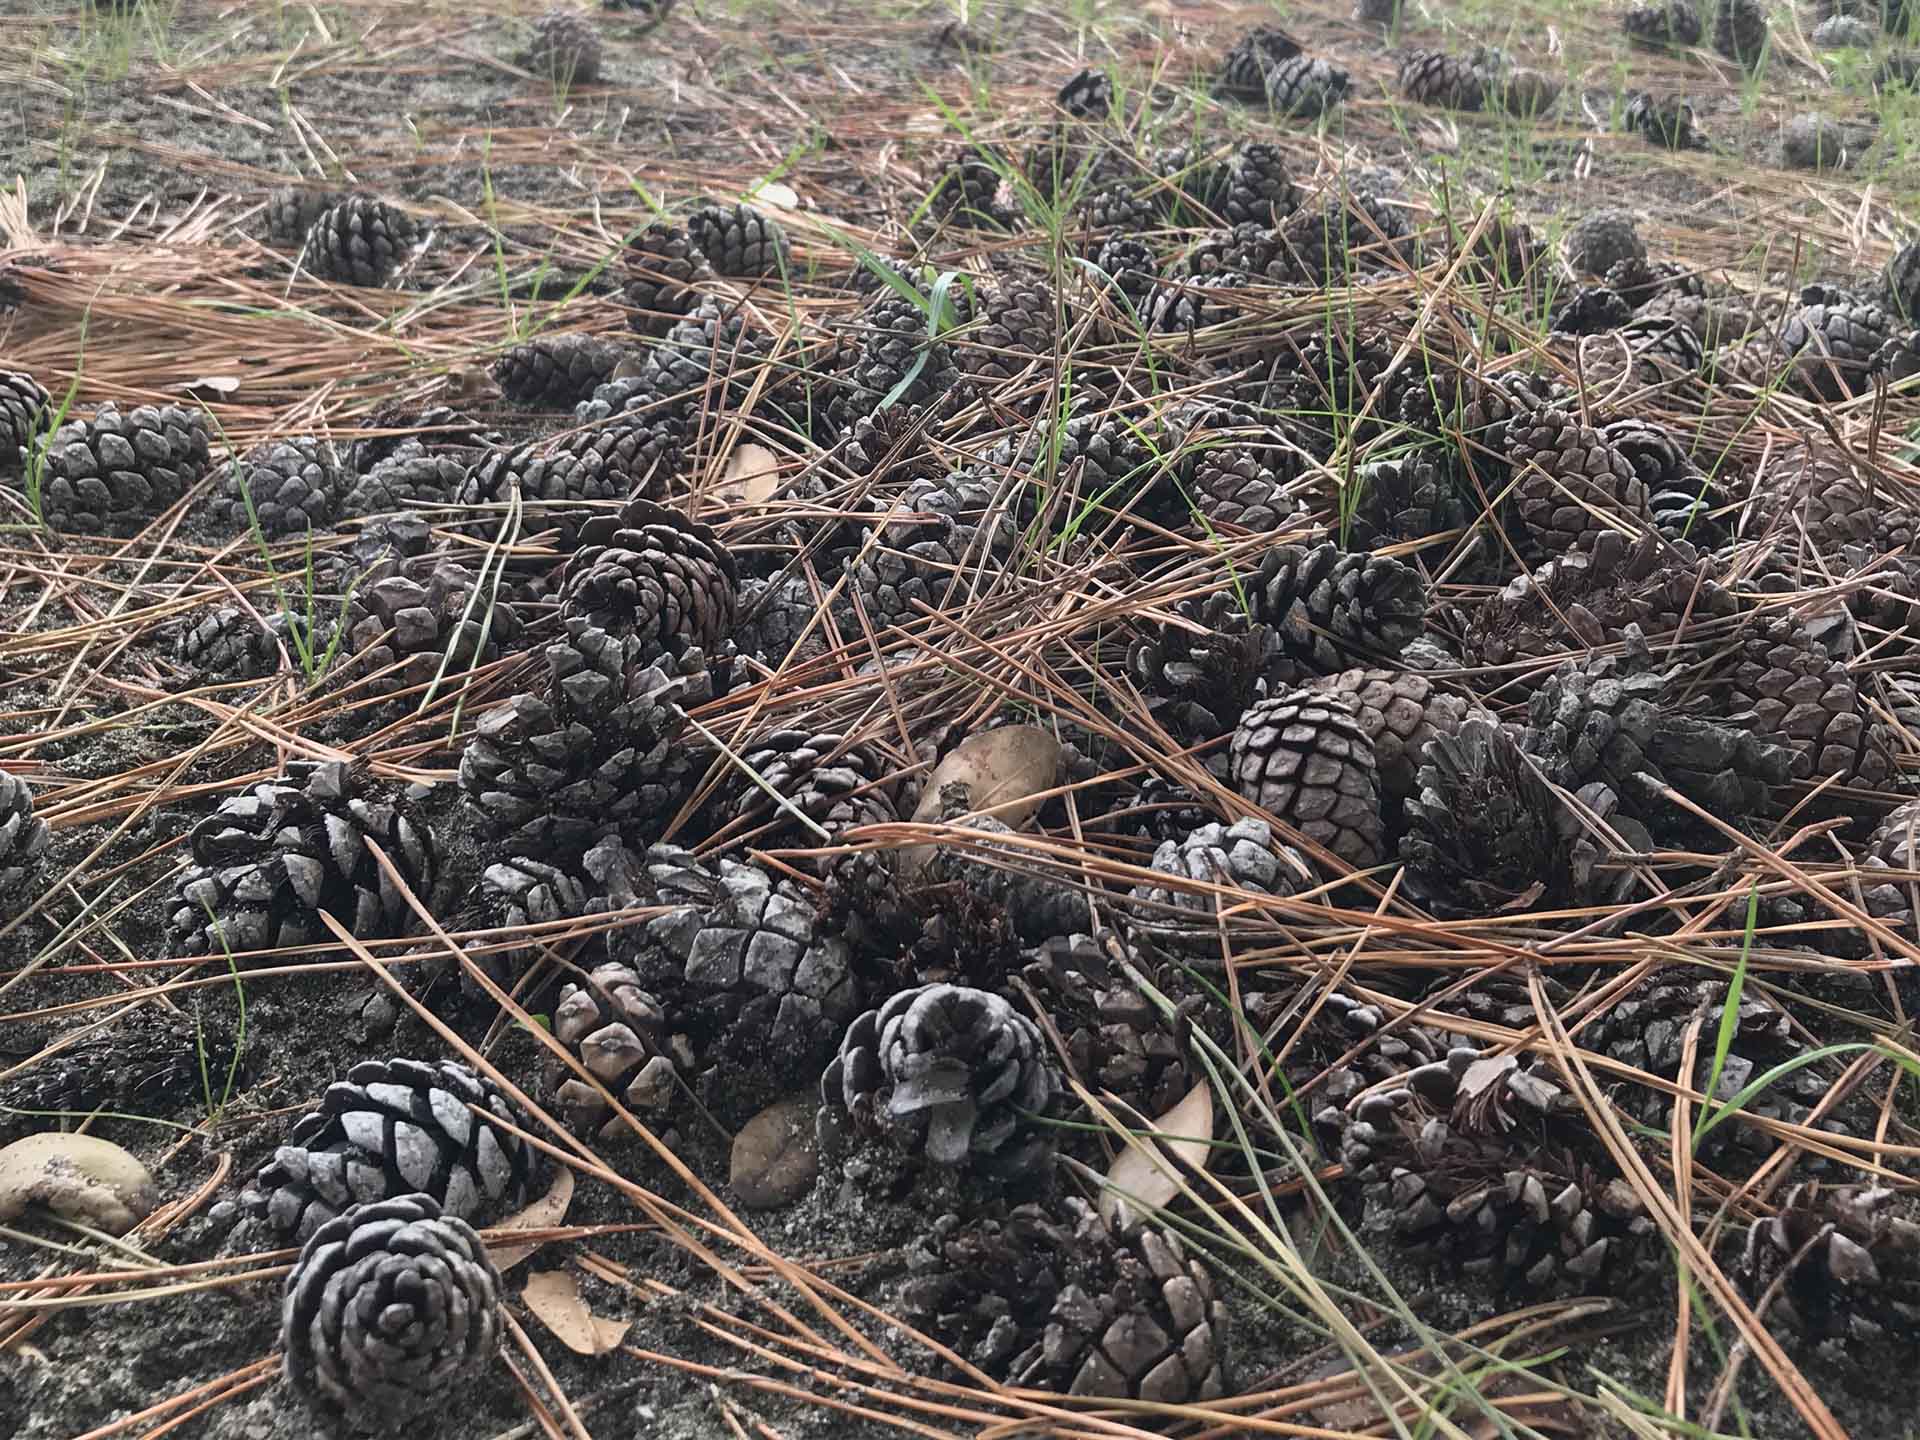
[1859, 1278]
[1072, 1306]
[755, 985]
[292, 483]
[1329, 607]
[710, 358]
[391, 1128]
[598, 750]
[835, 784]
[1018, 326]
[437, 429]
[1573, 487]
[629, 455]
[1131, 270]
[410, 478]
[1243, 69]
[1087, 95]
[513, 896]
[653, 573]
[231, 642]
[1236, 487]
[1473, 1161]
[151, 1061]
[1740, 31]
[1586, 600]
[897, 359]
[1601, 239]
[25, 411]
[950, 1072]
[1118, 207]
[565, 49]
[112, 474]
[618, 1032]
[1400, 711]
[1260, 188]
[1344, 235]
[555, 372]
[662, 265]
[360, 241]
[1306, 87]
[1637, 281]
[1664, 25]
[1522, 91]
[1647, 1030]
[1243, 856]
[1782, 687]
[269, 861]
[1193, 184]
[1305, 758]
[1900, 283]
[1685, 503]
[738, 240]
[1201, 673]
[1418, 498]
[408, 626]
[1588, 310]
[969, 187]
[1113, 1037]
[1896, 840]
[390, 1314]
[914, 562]
[1484, 834]
[1834, 344]
[1616, 724]
[1433, 77]
[1898, 359]
[23, 836]
[291, 211]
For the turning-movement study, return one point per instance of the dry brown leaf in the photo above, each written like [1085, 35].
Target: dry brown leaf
[1140, 1181]
[543, 1214]
[211, 387]
[554, 1297]
[775, 1157]
[752, 476]
[1004, 768]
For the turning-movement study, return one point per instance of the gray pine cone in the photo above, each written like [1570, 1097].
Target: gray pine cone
[23, 835]
[619, 1034]
[653, 573]
[390, 1313]
[360, 241]
[113, 473]
[269, 861]
[25, 411]
[294, 485]
[738, 240]
[396, 1127]
[597, 750]
[946, 1071]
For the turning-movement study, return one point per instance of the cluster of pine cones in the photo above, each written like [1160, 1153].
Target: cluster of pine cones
[1376, 612]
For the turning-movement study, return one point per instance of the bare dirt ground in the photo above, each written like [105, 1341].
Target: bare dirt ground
[137, 162]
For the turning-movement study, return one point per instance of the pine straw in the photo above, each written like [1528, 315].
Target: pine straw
[170, 294]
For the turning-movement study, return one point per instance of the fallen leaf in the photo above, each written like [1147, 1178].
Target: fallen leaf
[773, 192]
[1140, 1180]
[1001, 770]
[211, 387]
[554, 1297]
[775, 1157]
[543, 1214]
[752, 476]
